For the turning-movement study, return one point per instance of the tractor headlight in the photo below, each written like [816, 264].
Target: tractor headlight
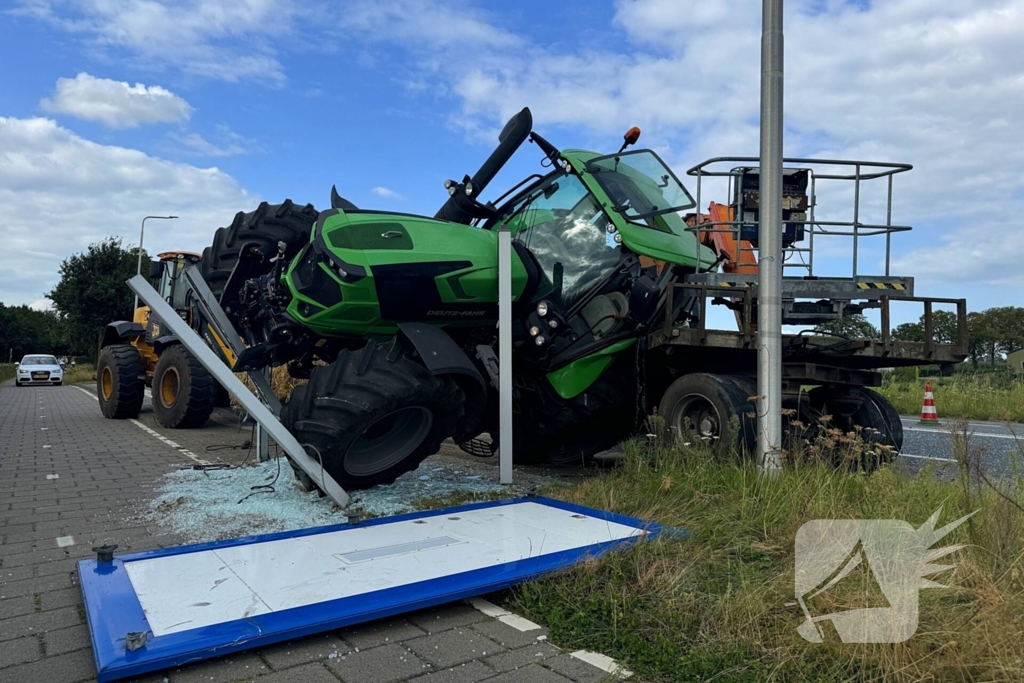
[534, 331]
[552, 323]
[469, 188]
[540, 341]
[542, 308]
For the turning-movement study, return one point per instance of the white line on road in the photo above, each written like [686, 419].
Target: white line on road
[983, 435]
[152, 432]
[926, 457]
[65, 541]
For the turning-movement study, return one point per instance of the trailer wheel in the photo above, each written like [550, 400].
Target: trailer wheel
[702, 407]
[266, 226]
[120, 386]
[370, 417]
[878, 420]
[183, 390]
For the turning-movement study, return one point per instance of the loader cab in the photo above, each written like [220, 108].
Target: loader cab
[168, 270]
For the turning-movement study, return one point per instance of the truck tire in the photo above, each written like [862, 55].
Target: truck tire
[701, 407]
[370, 418]
[267, 225]
[183, 390]
[120, 383]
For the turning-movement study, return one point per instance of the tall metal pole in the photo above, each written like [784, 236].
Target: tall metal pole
[769, 323]
[504, 355]
[138, 267]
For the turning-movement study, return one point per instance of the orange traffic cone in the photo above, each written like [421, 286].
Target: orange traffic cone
[928, 414]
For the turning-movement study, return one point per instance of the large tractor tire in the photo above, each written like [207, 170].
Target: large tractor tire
[715, 409]
[369, 418]
[266, 226]
[120, 381]
[221, 397]
[183, 390]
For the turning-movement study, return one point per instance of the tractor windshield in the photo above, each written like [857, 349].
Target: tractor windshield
[561, 222]
[640, 185]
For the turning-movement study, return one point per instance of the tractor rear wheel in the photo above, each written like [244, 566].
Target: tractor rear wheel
[266, 226]
[371, 416]
[702, 407]
[183, 390]
[120, 381]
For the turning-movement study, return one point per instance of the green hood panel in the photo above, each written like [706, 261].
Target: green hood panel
[576, 377]
[404, 268]
[672, 243]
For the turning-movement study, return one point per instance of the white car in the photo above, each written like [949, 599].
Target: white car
[38, 369]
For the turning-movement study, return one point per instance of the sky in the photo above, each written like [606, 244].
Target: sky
[111, 110]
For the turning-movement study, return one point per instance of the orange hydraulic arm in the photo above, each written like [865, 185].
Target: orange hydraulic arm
[724, 243]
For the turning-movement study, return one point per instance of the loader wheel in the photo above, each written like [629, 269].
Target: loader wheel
[221, 397]
[120, 383]
[714, 409]
[370, 418]
[183, 390]
[267, 225]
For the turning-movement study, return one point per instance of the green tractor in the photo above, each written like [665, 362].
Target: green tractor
[392, 317]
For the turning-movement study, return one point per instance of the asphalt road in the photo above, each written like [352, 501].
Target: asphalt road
[998, 446]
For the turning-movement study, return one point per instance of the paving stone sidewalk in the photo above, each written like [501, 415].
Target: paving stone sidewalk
[71, 480]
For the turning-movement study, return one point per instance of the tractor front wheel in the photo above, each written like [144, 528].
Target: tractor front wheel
[372, 415]
[183, 390]
[120, 381]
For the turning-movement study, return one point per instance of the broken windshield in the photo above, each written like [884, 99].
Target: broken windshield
[640, 185]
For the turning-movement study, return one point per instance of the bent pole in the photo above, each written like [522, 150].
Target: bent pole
[769, 323]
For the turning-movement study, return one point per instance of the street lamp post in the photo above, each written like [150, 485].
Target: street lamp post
[142, 234]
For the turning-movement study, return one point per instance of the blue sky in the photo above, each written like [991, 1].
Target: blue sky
[112, 109]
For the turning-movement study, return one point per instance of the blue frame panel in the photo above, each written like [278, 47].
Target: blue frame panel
[113, 610]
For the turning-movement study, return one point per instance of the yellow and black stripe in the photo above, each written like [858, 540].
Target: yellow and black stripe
[881, 285]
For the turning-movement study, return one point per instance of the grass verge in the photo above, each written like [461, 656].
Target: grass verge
[714, 606]
[971, 397]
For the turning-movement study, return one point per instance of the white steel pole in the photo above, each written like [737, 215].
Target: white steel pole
[769, 323]
[505, 355]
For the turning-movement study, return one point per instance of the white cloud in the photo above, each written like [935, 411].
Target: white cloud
[225, 143]
[62, 192]
[386, 193]
[115, 103]
[229, 40]
[939, 85]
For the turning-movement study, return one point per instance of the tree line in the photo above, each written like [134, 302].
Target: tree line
[91, 293]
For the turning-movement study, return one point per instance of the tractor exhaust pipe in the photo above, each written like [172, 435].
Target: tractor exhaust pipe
[512, 136]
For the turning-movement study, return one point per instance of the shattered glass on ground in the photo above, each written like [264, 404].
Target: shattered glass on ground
[228, 503]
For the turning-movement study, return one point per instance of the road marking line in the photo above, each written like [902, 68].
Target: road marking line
[519, 623]
[983, 435]
[602, 662]
[53, 476]
[181, 449]
[488, 608]
[926, 457]
[152, 432]
[65, 541]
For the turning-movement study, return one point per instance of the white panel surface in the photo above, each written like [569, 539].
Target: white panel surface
[183, 592]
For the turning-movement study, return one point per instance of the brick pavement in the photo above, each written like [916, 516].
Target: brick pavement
[70, 480]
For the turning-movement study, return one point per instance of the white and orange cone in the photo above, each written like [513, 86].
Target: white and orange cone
[929, 416]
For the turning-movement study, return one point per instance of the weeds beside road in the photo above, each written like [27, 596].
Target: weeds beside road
[991, 396]
[714, 606]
